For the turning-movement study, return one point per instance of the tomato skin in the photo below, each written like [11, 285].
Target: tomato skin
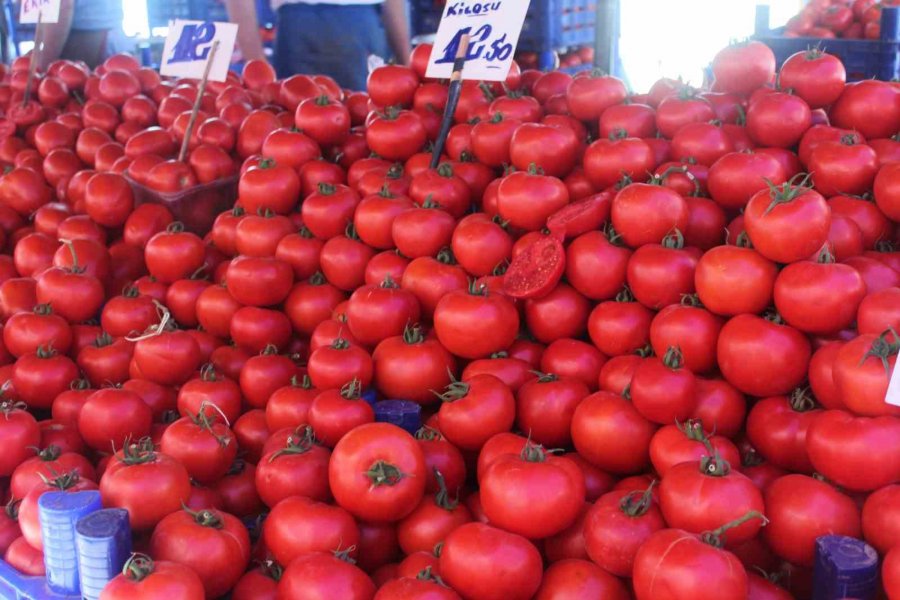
[165, 579]
[731, 280]
[526, 199]
[206, 452]
[875, 311]
[554, 150]
[459, 312]
[113, 416]
[409, 367]
[843, 167]
[762, 358]
[890, 573]
[579, 578]
[149, 490]
[777, 428]
[815, 76]
[778, 120]
[598, 416]
[321, 575]
[879, 518]
[332, 367]
[299, 526]
[887, 182]
[584, 256]
[852, 466]
[214, 544]
[409, 588]
[21, 433]
[778, 234]
[430, 523]
[659, 275]
[618, 328]
[800, 509]
[662, 390]
[485, 407]
[169, 358]
[869, 107]
[673, 563]
[862, 379]
[693, 329]
[694, 498]
[675, 444]
[512, 478]
[818, 297]
[644, 214]
[474, 544]
[741, 68]
[606, 160]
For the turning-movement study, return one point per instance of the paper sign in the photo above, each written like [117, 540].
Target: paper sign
[893, 393]
[188, 46]
[47, 10]
[493, 27]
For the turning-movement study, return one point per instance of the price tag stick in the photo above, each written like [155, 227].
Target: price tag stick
[35, 55]
[182, 154]
[452, 99]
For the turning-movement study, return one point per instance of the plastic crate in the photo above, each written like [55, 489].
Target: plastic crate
[549, 25]
[195, 207]
[15, 586]
[160, 12]
[863, 59]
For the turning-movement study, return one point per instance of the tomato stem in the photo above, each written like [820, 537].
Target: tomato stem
[637, 503]
[352, 390]
[205, 518]
[384, 473]
[297, 444]
[802, 401]
[442, 496]
[138, 567]
[716, 537]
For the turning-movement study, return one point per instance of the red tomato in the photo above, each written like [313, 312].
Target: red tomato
[609, 159]
[214, 544]
[741, 68]
[620, 326]
[271, 186]
[887, 183]
[645, 214]
[869, 107]
[554, 150]
[800, 509]
[778, 119]
[862, 370]
[325, 574]
[476, 543]
[409, 366]
[788, 223]
[669, 374]
[458, 312]
[23, 434]
[815, 76]
[298, 526]
[144, 579]
[602, 413]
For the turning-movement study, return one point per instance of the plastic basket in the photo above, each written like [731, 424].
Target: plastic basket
[196, 207]
[863, 59]
[549, 25]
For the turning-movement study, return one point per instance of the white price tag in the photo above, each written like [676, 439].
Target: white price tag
[32, 11]
[188, 46]
[893, 393]
[493, 27]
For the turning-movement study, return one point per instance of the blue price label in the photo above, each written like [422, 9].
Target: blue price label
[480, 46]
[194, 44]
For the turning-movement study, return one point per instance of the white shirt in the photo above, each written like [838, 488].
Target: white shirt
[276, 4]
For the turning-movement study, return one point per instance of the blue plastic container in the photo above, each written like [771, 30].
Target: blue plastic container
[103, 542]
[402, 413]
[550, 25]
[15, 586]
[863, 59]
[58, 513]
[845, 568]
[370, 396]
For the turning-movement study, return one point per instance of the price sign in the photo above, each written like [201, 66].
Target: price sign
[493, 27]
[188, 46]
[32, 11]
[893, 393]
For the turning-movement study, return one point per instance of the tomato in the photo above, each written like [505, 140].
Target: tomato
[787, 223]
[616, 526]
[323, 575]
[879, 518]
[535, 270]
[166, 356]
[852, 468]
[862, 370]
[703, 142]
[327, 211]
[409, 366]
[335, 412]
[545, 408]
[586, 254]
[25, 558]
[475, 409]
[343, 260]
[869, 107]
[553, 150]
[163, 248]
[611, 158]
[111, 417]
[269, 186]
[480, 244]
[460, 311]
[800, 509]
[673, 563]
[297, 526]
[215, 545]
[596, 418]
[259, 584]
[259, 281]
[815, 76]
[887, 183]
[573, 359]
[697, 496]
[24, 191]
[741, 68]
[762, 357]
[680, 109]
[476, 543]
[890, 570]
[396, 135]
[527, 198]
[25, 332]
[423, 230]
[877, 310]
[510, 479]
[332, 367]
[620, 326]
[661, 274]
[205, 447]
[21, 434]
[732, 280]
[669, 374]
[410, 588]
[688, 443]
[777, 427]
[489, 141]
[323, 119]
[645, 213]
[843, 167]
[778, 120]
[144, 579]
[300, 468]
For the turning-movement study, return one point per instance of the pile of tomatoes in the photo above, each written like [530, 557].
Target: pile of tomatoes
[850, 19]
[651, 335]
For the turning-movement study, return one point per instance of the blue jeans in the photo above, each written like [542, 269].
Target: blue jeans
[329, 39]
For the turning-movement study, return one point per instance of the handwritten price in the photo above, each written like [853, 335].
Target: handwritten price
[188, 47]
[480, 46]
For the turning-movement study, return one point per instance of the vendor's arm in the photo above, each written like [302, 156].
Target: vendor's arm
[243, 12]
[397, 27]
